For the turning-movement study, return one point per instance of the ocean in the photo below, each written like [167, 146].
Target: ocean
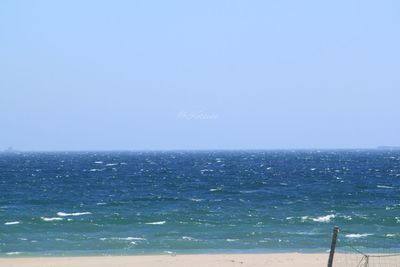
[128, 203]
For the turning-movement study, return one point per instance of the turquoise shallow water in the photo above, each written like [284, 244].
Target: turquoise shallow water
[127, 203]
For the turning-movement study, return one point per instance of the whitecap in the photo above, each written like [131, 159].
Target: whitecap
[98, 162]
[64, 214]
[196, 199]
[357, 235]
[189, 238]
[346, 217]
[12, 223]
[215, 189]
[155, 223]
[231, 240]
[249, 191]
[51, 219]
[13, 253]
[384, 186]
[324, 219]
[129, 238]
[101, 203]
[111, 164]
[170, 252]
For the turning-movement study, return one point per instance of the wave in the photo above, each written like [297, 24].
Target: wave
[321, 219]
[12, 223]
[13, 253]
[324, 219]
[51, 219]
[357, 235]
[196, 199]
[96, 170]
[64, 214]
[188, 238]
[215, 189]
[385, 186]
[155, 223]
[129, 238]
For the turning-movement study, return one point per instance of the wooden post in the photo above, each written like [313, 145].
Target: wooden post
[333, 245]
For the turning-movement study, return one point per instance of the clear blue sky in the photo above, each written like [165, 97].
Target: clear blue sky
[103, 75]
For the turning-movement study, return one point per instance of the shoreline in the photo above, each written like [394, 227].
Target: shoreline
[177, 260]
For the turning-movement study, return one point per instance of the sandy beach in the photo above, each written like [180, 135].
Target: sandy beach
[203, 260]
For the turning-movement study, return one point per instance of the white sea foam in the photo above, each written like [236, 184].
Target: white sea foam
[13, 253]
[346, 217]
[324, 219]
[170, 252]
[129, 238]
[384, 186]
[101, 203]
[98, 162]
[196, 199]
[357, 235]
[51, 219]
[64, 214]
[215, 189]
[96, 170]
[12, 223]
[111, 164]
[160, 222]
[231, 240]
[189, 238]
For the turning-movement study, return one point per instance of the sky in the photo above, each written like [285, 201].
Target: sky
[162, 75]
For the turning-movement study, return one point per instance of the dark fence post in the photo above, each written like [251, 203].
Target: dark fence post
[333, 245]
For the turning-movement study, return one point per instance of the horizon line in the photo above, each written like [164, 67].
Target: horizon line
[12, 150]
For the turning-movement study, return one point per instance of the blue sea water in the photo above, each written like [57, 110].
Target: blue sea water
[124, 203]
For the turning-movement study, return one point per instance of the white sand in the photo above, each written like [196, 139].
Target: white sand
[202, 260]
